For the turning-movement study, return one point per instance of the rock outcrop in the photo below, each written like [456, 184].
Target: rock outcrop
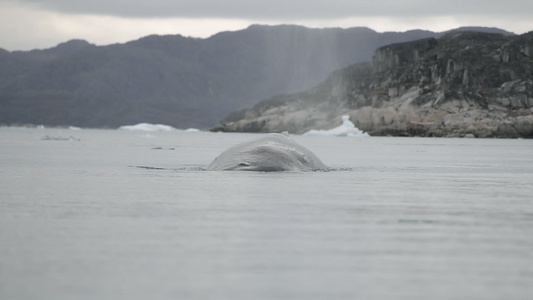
[464, 84]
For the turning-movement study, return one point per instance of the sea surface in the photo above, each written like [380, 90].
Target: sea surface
[117, 214]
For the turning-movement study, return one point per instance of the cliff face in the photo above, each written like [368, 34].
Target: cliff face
[462, 84]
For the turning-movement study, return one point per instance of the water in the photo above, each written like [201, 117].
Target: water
[106, 214]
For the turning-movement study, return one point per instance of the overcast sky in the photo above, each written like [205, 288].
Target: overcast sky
[30, 24]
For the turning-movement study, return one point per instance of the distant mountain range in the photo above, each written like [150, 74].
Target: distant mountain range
[175, 80]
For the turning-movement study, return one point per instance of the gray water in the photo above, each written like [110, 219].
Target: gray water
[108, 214]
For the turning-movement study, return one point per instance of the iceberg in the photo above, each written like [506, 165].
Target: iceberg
[147, 127]
[346, 129]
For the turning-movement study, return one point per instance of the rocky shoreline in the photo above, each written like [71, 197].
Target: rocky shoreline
[464, 84]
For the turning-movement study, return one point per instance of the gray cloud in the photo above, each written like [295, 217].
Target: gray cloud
[29, 24]
[284, 9]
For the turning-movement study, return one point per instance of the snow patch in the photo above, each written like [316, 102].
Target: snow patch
[346, 129]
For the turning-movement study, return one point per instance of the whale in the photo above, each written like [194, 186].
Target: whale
[273, 153]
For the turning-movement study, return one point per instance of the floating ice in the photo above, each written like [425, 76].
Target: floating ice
[346, 129]
[147, 127]
[59, 138]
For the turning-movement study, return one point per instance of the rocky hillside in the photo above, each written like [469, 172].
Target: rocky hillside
[176, 80]
[462, 84]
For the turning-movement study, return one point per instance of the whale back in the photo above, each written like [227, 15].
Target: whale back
[273, 153]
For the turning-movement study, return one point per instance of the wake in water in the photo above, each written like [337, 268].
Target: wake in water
[196, 168]
[192, 168]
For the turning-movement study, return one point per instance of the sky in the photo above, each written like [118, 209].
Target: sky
[39, 24]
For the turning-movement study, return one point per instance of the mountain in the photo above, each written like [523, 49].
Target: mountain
[175, 80]
[463, 84]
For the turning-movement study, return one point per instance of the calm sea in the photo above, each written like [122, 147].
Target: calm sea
[113, 214]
